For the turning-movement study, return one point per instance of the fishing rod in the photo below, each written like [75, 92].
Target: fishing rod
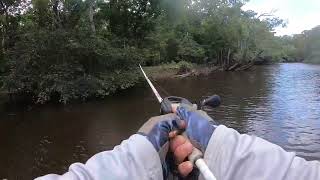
[196, 157]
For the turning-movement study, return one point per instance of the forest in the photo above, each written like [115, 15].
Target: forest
[66, 50]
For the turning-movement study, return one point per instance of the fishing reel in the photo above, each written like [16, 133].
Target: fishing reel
[166, 105]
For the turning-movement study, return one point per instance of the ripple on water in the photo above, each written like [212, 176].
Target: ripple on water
[285, 110]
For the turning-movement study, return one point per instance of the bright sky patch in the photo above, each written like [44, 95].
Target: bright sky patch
[300, 14]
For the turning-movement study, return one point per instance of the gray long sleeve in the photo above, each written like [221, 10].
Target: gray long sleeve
[134, 158]
[232, 156]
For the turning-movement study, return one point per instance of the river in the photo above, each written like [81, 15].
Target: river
[280, 103]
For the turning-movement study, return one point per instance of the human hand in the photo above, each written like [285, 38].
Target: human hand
[157, 129]
[199, 126]
[181, 148]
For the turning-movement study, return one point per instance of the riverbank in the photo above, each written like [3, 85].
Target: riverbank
[171, 70]
[179, 70]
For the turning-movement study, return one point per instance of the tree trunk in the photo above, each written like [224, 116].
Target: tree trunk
[221, 57]
[245, 67]
[233, 67]
[1, 43]
[91, 12]
[4, 29]
[244, 56]
[56, 12]
[228, 58]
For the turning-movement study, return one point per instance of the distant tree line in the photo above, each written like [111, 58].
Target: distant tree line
[303, 47]
[63, 50]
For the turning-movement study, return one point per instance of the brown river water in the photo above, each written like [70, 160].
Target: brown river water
[280, 103]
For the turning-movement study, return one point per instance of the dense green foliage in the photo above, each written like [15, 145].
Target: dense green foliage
[73, 49]
[304, 46]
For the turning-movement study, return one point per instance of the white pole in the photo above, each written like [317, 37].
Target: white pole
[204, 169]
[151, 85]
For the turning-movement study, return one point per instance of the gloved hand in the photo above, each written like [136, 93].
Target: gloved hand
[157, 131]
[199, 126]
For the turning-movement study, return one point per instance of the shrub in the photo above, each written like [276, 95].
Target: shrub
[184, 67]
[59, 66]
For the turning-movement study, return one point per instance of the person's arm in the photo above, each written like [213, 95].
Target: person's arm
[134, 158]
[231, 155]
[234, 156]
[139, 157]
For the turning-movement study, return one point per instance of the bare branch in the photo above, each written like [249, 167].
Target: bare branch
[269, 14]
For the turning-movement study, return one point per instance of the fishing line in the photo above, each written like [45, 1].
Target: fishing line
[196, 156]
[162, 89]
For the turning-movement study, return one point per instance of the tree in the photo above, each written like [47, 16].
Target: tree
[129, 19]
[312, 44]
[68, 50]
[91, 14]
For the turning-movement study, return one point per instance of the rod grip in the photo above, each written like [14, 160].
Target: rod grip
[196, 153]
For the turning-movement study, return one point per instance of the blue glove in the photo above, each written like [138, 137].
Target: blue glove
[199, 126]
[157, 129]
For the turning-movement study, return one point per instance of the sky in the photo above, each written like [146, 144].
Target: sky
[300, 14]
